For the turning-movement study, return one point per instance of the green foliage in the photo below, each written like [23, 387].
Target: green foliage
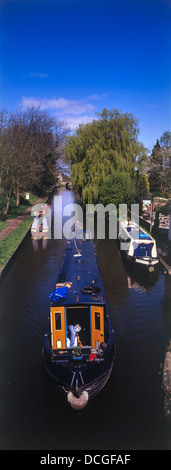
[156, 170]
[3, 225]
[165, 210]
[77, 351]
[160, 165]
[142, 189]
[13, 210]
[117, 188]
[2, 202]
[97, 149]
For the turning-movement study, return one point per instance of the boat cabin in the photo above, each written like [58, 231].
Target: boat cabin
[142, 245]
[81, 325]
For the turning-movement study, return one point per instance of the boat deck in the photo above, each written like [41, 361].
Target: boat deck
[138, 233]
[80, 274]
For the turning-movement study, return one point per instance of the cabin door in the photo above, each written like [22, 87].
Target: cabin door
[97, 322]
[58, 336]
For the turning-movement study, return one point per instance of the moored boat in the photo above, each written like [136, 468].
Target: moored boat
[68, 186]
[79, 346]
[140, 250]
[41, 222]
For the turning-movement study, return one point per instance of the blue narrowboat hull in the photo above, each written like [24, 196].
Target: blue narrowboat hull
[79, 376]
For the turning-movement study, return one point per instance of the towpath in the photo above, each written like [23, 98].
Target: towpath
[13, 223]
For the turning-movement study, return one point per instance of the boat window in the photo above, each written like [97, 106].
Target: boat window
[97, 321]
[58, 320]
[143, 250]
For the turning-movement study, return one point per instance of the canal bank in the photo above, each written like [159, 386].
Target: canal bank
[15, 234]
[163, 244]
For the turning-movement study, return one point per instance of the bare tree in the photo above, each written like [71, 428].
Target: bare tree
[6, 177]
[30, 145]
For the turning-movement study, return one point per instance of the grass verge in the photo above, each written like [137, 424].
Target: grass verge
[3, 225]
[9, 244]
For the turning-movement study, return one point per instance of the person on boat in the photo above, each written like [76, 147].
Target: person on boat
[73, 338]
[77, 226]
[73, 335]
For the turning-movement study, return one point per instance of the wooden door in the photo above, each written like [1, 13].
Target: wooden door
[97, 323]
[58, 334]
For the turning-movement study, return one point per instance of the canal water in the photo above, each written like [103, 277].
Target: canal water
[129, 413]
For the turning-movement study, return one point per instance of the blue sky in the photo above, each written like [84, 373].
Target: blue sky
[76, 57]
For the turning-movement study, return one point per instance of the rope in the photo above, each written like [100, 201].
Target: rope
[76, 245]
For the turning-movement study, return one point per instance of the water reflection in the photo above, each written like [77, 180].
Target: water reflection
[167, 302]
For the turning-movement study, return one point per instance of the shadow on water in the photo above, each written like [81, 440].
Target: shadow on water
[129, 412]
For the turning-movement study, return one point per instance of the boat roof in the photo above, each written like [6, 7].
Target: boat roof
[79, 269]
[136, 232]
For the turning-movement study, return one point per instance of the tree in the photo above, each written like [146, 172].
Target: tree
[30, 144]
[165, 143]
[156, 174]
[108, 144]
[6, 175]
[142, 188]
[46, 135]
[160, 165]
[117, 188]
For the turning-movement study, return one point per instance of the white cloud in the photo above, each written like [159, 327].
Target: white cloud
[97, 97]
[74, 107]
[73, 122]
[39, 75]
[73, 112]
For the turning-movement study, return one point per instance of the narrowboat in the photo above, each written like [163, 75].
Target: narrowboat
[79, 345]
[68, 186]
[41, 222]
[141, 250]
